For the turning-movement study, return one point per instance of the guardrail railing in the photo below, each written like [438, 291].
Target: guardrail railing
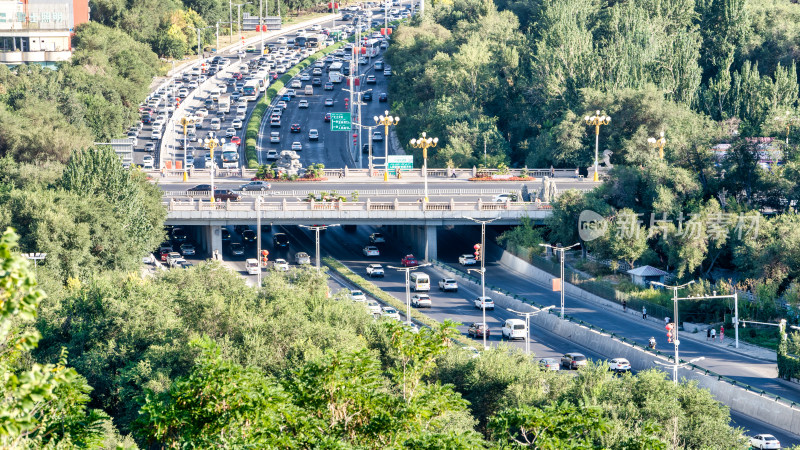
[347, 172]
[692, 366]
[204, 204]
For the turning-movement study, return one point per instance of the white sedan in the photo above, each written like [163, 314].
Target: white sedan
[371, 250]
[467, 260]
[388, 311]
[765, 441]
[297, 146]
[484, 303]
[357, 296]
[421, 301]
[281, 265]
[373, 307]
[305, 77]
[237, 124]
[303, 104]
[619, 365]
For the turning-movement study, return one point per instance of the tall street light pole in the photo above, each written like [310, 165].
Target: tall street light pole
[482, 256]
[317, 229]
[561, 288]
[659, 144]
[211, 144]
[239, 20]
[369, 144]
[597, 120]
[424, 142]
[408, 270]
[675, 339]
[386, 120]
[735, 320]
[258, 239]
[528, 315]
[185, 122]
[35, 257]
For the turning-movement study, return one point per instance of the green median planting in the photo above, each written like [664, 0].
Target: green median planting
[370, 288]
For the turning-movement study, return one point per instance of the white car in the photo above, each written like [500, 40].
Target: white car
[764, 441]
[272, 154]
[513, 329]
[156, 134]
[448, 284]
[275, 137]
[375, 270]
[303, 103]
[371, 250]
[305, 77]
[357, 296]
[313, 134]
[281, 40]
[237, 124]
[502, 198]
[147, 162]
[297, 84]
[484, 303]
[619, 365]
[421, 301]
[302, 258]
[281, 264]
[297, 146]
[230, 132]
[176, 262]
[373, 307]
[467, 260]
[388, 311]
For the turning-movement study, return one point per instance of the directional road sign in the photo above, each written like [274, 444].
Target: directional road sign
[401, 162]
[340, 121]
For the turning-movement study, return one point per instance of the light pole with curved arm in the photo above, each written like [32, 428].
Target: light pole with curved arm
[597, 120]
[211, 144]
[424, 142]
[528, 324]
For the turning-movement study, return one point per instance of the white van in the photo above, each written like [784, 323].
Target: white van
[514, 329]
[216, 124]
[309, 90]
[252, 266]
[420, 281]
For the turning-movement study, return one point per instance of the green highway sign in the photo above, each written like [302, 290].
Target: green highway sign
[401, 162]
[340, 121]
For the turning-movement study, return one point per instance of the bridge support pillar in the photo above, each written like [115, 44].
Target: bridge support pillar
[213, 240]
[431, 243]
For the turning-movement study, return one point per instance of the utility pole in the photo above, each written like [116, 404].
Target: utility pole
[675, 339]
[239, 20]
[317, 229]
[528, 324]
[258, 240]
[561, 249]
[483, 267]
[407, 270]
[216, 50]
[230, 18]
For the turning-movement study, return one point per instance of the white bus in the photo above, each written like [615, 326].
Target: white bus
[251, 90]
[420, 281]
[230, 156]
[335, 67]
[252, 266]
[373, 47]
[224, 104]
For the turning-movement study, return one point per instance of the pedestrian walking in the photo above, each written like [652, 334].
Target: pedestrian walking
[644, 312]
[552, 171]
[708, 333]
[713, 334]
[624, 305]
[577, 172]
[721, 333]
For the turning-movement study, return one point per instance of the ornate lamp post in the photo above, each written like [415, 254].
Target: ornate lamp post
[385, 120]
[424, 142]
[211, 144]
[659, 144]
[185, 122]
[597, 120]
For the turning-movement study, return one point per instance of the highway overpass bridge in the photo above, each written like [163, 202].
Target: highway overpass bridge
[414, 222]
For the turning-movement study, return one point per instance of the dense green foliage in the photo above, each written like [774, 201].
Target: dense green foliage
[520, 76]
[90, 216]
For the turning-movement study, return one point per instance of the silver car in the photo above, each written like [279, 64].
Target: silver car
[302, 258]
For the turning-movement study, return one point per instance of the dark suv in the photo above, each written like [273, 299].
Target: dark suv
[222, 195]
[280, 240]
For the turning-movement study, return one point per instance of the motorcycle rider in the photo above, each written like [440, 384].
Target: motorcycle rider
[652, 342]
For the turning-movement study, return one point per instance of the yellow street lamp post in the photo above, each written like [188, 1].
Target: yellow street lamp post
[186, 121]
[211, 144]
[423, 143]
[385, 120]
[659, 144]
[788, 120]
[597, 120]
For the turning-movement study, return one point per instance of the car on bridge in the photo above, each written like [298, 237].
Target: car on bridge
[328, 87]
[377, 136]
[303, 104]
[328, 101]
[375, 270]
[275, 137]
[222, 195]
[236, 140]
[327, 118]
[371, 79]
[764, 441]
[367, 96]
[297, 146]
[421, 301]
[467, 260]
[383, 97]
[377, 238]
[256, 186]
[272, 154]
[477, 329]
[448, 284]
[295, 128]
[409, 261]
[573, 360]
[371, 250]
[484, 303]
[313, 134]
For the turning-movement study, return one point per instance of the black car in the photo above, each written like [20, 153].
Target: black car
[237, 249]
[201, 188]
[226, 235]
[249, 236]
[383, 97]
[179, 235]
[280, 240]
[367, 96]
[295, 128]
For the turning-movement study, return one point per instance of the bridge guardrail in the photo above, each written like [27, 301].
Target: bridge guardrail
[692, 366]
[303, 193]
[201, 204]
